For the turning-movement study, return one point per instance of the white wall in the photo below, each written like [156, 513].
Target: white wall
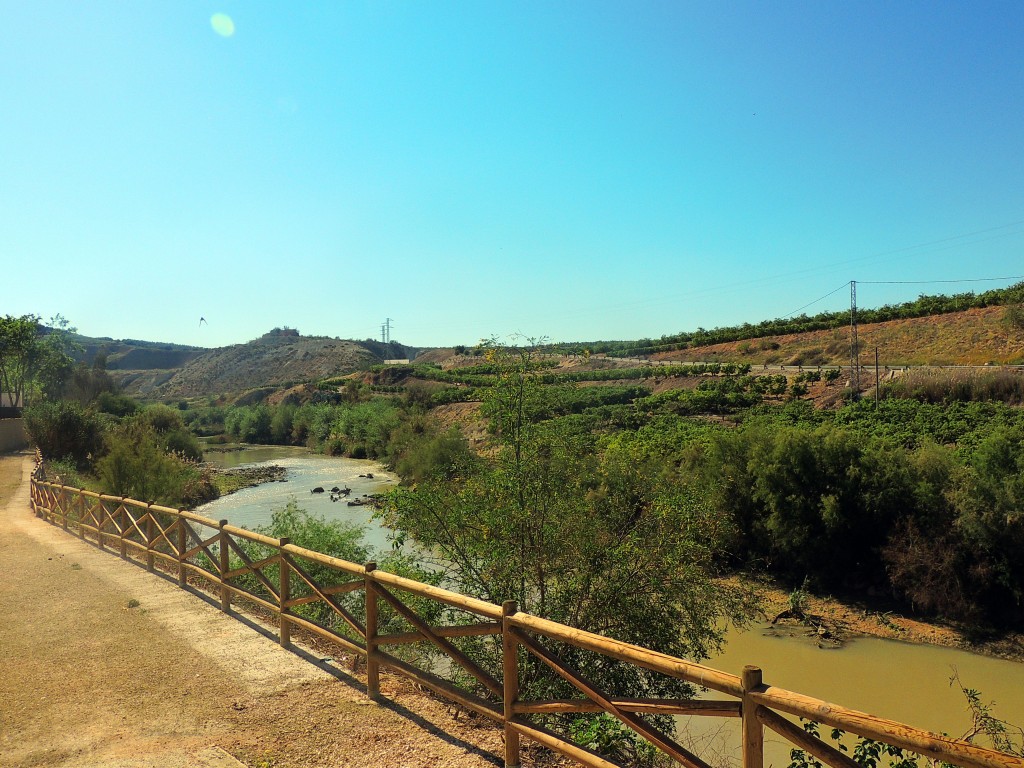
[12, 435]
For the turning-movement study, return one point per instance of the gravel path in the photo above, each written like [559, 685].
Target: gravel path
[105, 664]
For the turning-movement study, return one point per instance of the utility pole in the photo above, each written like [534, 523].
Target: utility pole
[854, 370]
[876, 378]
[385, 331]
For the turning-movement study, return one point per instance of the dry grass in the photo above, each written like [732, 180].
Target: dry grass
[940, 386]
[974, 337]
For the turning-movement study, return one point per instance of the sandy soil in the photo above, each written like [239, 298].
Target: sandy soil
[107, 665]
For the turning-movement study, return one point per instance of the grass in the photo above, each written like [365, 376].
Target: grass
[973, 337]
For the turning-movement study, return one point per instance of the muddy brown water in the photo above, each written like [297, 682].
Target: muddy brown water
[906, 682]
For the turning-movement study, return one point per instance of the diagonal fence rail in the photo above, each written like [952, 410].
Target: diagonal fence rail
[359, 609]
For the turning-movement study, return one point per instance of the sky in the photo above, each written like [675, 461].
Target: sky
[571, 171]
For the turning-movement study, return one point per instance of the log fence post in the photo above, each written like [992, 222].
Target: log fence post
[63, 509]
[285, 629]
[121, 513]
[100, 520]
[753, 731]
[510, 683]
[225, 593]
[372, 664]
[150, 560]
[182, 546]
[81, 515]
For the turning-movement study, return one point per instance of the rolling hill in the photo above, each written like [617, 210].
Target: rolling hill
[972, 337]
[273, 360]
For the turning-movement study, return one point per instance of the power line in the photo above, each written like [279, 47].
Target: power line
[922, 248]
[931, 282]
[805, 306]
[853, 302]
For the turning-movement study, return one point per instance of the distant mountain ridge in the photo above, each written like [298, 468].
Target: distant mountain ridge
[132, 354]
[155, 370]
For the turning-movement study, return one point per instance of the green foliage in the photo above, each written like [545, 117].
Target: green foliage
[434, 456]
[343, 541]
[281, 423]
[1013, 316]
[64, 430]
[249, 424]
[806, 502]
[18, 354]
[713, 396]
[87, 383]
[138, 466]
[34, 359]
[116, 405]
[167, 425]
[581, 536]
[65, 472]
[608, 736]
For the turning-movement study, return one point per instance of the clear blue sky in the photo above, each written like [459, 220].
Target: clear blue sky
[575, 170]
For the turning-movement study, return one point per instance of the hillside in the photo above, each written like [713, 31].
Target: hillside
[131, 354]
[272, 360]
[978, 336]
[973, 337]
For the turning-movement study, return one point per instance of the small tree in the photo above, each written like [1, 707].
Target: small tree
[580, 536]
[19, 351]
[34, 358]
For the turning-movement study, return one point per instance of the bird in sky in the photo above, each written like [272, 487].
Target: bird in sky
[201, 321]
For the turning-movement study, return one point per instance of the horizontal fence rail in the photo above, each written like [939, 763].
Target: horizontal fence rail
[361, 610]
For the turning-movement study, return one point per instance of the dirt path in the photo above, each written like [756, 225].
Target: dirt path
[104, 664]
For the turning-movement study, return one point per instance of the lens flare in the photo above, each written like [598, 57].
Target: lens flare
[222, 24]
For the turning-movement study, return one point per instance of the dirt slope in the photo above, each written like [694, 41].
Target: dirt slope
[973, 337]
[267, 361]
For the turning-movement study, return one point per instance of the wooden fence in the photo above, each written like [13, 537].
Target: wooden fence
[309, 590]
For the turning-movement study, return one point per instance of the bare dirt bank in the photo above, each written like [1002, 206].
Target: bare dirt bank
[845, 620]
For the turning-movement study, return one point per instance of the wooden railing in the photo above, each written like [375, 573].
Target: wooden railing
[282, 579]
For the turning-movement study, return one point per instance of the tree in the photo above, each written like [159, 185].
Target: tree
[55, 361]
[586, 537]
[19, 351]
[34, 358]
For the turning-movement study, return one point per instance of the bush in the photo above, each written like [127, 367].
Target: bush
[63, 429]
[117, 405]
[137, 466]
[442, 456]
[64, 472]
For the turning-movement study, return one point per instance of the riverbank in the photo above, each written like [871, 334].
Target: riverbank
[835, 622]
[228, 481]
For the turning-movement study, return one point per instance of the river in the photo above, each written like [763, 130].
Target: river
[901, 681]
[253, 507]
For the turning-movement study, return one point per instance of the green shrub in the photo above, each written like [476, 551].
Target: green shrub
[117, 405]
[136, 465]
[63, 429]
